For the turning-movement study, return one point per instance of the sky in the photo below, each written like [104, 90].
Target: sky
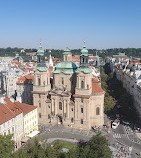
[67, 23]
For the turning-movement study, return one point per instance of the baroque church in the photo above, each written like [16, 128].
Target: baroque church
[75, 98]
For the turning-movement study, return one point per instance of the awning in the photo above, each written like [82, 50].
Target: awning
[24, 140]
[34, 133]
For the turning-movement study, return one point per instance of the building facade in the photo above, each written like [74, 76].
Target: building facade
[75, 99]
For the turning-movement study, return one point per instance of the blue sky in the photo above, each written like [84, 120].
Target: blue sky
[60, 23]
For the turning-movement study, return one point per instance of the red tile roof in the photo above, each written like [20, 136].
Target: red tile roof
[25, 79]
[11, 106]
[26, 108]
[96, 88]
[5, 114]
[11, 109]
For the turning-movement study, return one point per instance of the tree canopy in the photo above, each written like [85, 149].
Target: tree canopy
[6, 146]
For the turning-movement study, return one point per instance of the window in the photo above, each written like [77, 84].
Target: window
[60, 105]
[97, 111]
[71, 120]
[9, 131]
[39, 82]
[49, 107]
[82, 84]
[48, 116]
[82, 59]
[62, 80]
[87, 86]
[39, 96]
[65, 58]
[81, 110]
[44, 83]
[81, 121]
[40, 105]
[71, 109]
[82, 100]
[39, 115]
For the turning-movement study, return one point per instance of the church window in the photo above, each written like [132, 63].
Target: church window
[62, 80]
[44, 83]
[48, 116]
[60, 105]
[39, 115]
[39, 82]
[40, 105]
[81, 121]
[97, 111]
[83, 59]
[82, 84]
[71, 120]
[82, 110]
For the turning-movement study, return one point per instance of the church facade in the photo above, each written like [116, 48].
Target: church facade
[76, 98]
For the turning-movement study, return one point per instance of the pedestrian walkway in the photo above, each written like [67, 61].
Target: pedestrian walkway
[118, 135]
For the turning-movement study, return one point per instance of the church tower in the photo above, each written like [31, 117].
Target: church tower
[84, 78]
[41, 85]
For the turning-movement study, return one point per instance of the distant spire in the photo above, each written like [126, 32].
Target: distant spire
[40, 44]
[84, 44]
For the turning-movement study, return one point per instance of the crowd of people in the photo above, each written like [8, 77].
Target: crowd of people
[122, 151]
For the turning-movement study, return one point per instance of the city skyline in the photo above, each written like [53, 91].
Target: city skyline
[103, 24]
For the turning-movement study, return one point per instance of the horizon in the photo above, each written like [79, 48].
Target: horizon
[103, 24]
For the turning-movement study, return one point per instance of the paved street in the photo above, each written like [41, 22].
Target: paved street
[123, 135]
[59, 131]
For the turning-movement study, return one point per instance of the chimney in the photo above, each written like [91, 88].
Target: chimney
[2, 100]
[12, 99]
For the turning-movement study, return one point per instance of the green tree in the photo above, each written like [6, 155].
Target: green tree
[96, 147]
[6, 146]
[35, 149]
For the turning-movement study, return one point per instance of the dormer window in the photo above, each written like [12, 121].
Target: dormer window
[21, 81]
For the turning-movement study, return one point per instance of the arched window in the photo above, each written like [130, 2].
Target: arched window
[82, 84]
[97, 111]
[83, 60]
[39, 82]
[62, 80]
[71, 120]
[60, 105]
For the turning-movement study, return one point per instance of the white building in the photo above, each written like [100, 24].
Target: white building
[18, 119]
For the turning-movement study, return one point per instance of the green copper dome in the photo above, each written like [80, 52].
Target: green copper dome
[67, 51]
[85, 70]
[65, 67]
[84, 50]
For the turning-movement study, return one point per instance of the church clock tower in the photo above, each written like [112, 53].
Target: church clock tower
[41, 85]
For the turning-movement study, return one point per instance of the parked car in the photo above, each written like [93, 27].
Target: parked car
[115, 124]
[126, 123]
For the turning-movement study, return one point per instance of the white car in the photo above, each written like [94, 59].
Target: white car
[115, 124]
[126, 123]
